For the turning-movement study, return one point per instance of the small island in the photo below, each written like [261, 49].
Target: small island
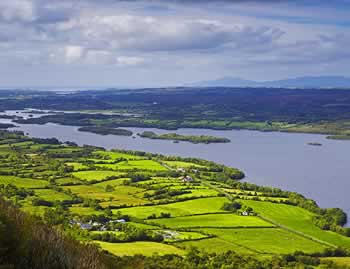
[189, 138]
[314, 144]
[339, 137]
[105, 130]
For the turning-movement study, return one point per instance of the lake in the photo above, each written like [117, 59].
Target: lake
[275, 159]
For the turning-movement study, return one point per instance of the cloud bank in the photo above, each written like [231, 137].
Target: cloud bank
[112, 42]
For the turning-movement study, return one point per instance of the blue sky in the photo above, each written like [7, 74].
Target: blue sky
[165, 43]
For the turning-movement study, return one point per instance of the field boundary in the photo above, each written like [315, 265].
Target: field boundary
[297, 232]
[274, 222]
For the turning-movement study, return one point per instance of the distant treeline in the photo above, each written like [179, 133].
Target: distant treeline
[242, 104]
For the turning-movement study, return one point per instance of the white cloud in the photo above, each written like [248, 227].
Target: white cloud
[20, 10]
[174, 41]
[99, 57]
[73, 53]
[77, 55]
[150, 33]
[129, 61]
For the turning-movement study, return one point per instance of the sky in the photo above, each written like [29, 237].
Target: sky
[156, 43]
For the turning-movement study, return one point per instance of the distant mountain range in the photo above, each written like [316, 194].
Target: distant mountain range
[299, 82]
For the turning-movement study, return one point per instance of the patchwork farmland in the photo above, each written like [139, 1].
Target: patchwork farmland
[132, 203]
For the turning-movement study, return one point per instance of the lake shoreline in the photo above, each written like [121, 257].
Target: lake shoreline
[267, 127]
[261, 155]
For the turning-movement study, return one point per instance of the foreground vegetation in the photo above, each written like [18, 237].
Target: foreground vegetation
[27, 242]
[192, 213]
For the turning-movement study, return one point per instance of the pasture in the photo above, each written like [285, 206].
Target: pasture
[77, 166]
[211, 220]
[149, 165]
[297, 219]
[52, 195]
[114, 155]
[113, 182]
[122, 195]
[84, 211]
[23, 182]
[144, 248]
[341, 261]
[179, 164]
[172, 236]
[263, 240]
[203, 192]
[96, 175]
[214, 245]
[190, 207]
[67, 180]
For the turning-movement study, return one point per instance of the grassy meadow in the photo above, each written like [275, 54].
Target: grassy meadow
[212, 220]
[144, 248]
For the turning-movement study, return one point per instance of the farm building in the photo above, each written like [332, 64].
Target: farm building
[186, 179]
[181, 170]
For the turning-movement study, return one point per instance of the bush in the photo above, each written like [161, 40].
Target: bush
[29, 243]
[232, 206]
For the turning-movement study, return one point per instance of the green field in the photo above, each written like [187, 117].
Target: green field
[23, 182]
[77, 166]
[196, 206]
[183, 236]
[144, 248]
[96, 175]
[298, 219]
[215, 245]
[84, 211]
[52, 195]
[212, 220]
[135, 165]
[179, 164]
[267, 240]
[122, 195]
[143, 226]
[68, 180]
[342, 261]
[113, 182]
[113, 155]
[204, 192]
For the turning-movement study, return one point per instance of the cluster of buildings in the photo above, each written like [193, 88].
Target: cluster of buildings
[94, 225]
[167, 234]
[185, 178]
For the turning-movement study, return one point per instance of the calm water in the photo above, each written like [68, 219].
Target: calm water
[274, 159]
